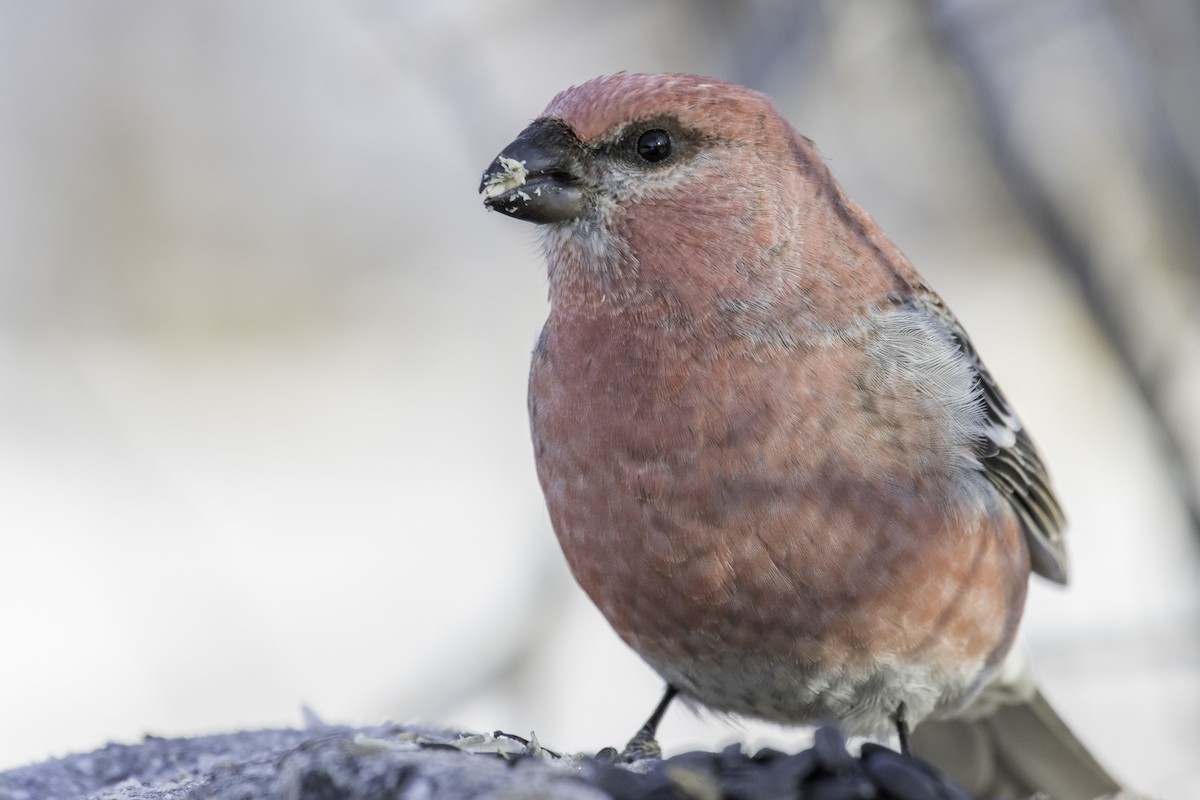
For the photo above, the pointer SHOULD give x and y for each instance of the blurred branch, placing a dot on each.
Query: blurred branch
(1164, 74)
(963, 36)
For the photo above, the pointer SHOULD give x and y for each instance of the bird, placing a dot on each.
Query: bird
(770, 453)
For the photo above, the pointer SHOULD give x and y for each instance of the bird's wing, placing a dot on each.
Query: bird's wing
(1008, 457)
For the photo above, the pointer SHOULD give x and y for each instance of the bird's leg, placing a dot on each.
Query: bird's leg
(643, 743)
(901, 720)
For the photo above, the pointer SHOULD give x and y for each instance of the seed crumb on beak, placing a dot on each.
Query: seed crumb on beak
(512, 175)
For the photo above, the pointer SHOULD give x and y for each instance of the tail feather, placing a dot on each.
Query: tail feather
(1015, 752)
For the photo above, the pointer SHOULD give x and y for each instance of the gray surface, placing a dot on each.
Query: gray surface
(392, 761)
(323, 762)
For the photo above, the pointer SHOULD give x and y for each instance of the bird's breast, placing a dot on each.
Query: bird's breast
(699, 461)
(714, 504)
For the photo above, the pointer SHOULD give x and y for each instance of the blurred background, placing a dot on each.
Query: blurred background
(263, 354)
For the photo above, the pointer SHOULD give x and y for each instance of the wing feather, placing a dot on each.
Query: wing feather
(1009, 459)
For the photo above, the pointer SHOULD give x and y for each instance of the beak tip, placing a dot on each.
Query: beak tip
(532, 179)
(503, 175)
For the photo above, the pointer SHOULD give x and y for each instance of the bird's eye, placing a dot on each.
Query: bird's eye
(654, 145)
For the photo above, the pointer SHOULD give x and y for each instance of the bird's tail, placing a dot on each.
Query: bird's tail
(1016, 751)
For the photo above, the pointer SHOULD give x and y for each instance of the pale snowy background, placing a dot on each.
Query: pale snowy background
(263, 353)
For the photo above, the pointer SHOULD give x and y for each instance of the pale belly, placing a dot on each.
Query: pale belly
(863, 697)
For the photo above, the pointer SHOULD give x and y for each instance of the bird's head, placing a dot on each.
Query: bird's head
(623, 139)
(626, 168)
(680, 186)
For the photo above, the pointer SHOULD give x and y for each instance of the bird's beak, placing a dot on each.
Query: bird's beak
(532, 179)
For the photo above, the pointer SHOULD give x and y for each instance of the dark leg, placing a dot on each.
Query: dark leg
(901, 720)
(643, 744)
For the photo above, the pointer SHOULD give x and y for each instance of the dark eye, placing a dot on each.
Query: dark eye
(654, 145)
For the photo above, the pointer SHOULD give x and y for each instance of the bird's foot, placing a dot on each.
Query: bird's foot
(643, 745)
